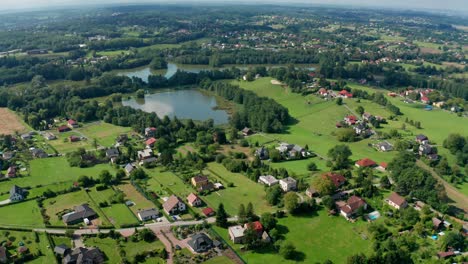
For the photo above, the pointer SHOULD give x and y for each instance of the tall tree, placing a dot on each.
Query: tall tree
(221, 216)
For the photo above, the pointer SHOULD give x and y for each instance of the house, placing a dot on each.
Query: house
(268, 180)
(425, 149)
(345, 94)
(8, 155)
(146, 155)
(382, 166)
(27, 136)
(129, 168)
(11, 172)
(284, 147)
(72, 123)
(74, 138)
(384, 146)
(17, 193)
(265, 237)
(63, 128)
(255, 226)
(79, 213)
(367, 116)
(112, 153)
(201, 183)
(150, 142)
(150, 132)
(350, 120)
(208, 211)
(247, 131)
(174, 205)
(200, 242)
(236, 233)
(39, 153)
(365, 163)
(337, 179)
(194, 200)
(311, 192)
(288, 184)
(437, 224)
(3, 255)
(425, 100)
(352, 206)
(323, 92)
(397, 201)
(49, 136)
(147, 214)
(122, 138)
(262, 153)
(82, 255)
(422, 139)
(61, 250)
(362, 129)
(445, 255)
(296, 149)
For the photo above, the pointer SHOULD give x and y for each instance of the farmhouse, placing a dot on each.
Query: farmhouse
(72, 123)
(17, 193)
(396, 201)
(79, 213)
(200, 242)
(148, 214)
(194, 200)
(352, 206)
(236, 233)
(337, 179)
(288, 184)
(382, 166)
(63, 128)
(345, 94)
(49, 136)
(311, 192)
(365, 163)
(247, 131)
(174, 205)
(268, 180)
(11, 172)
(84, 255)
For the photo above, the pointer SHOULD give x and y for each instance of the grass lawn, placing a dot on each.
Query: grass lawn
(68, 201)
(118, 214)
(133, 195)
(25, 214)
(105, 133)
(133, 248)
(59, 240)
(317, 238)
(28, 239)
(243, 192)
(160, 180)
(63, 145)
(107, 245)
(219, 260)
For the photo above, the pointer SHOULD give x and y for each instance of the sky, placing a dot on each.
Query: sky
(454, 5)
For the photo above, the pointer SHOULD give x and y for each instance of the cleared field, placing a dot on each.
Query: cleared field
(317, 238)
(118, 214)
(243, 192)
(133, 195)
(10, 123)
(25, 214)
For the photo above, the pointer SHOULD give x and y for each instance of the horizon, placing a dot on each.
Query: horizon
(453, 6)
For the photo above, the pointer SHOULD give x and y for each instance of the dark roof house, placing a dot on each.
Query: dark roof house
(84, 256)
(61, 250)
(80, 212)
(200, 243)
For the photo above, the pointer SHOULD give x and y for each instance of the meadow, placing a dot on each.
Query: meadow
(104, 133)
(24, 214)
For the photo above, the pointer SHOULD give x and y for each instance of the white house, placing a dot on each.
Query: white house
(268, 180)
(288, 184)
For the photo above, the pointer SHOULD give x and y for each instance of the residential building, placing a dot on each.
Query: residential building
(208, 211)
(150, 142)
(397, 201)
(247, 131)
(384, 146)
(268, 180)
(425, 149)
(256, 226)
(365, 163)
(202, 183)
(200, 242)
(236, 233)
(422, 139)
(262, 153)
(193, 200)
(150, 132)
(352, 206)
(311, 192)
(11, 172)
(147, 214)
(74, 138)
(345, 94)
(62, 250)
(39, 153)
(437, 224)
(82, 255)
(17, 194)
(337, 179)
(63, 128)
(174, 205)
(79, 214)
(350, 120)
(146, 155)
(49, 136)
(288, 184)
(129, 168)
(8, 155)
(72, 123)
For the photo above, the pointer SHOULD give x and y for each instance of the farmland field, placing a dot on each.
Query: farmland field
(24, 214)
(10, 122)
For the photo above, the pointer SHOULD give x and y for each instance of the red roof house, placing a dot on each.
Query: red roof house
(208, 211)
(63, 128)
(72, 123)
(74, 138)
(365, 163)
(256, 226)
(352, 205)
(150, 142)
(425, 99)
(336, 178)
(345, 94)
(350, 120)
(194, 200)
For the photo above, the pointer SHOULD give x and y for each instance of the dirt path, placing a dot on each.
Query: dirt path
(167, 244)
(453, 193)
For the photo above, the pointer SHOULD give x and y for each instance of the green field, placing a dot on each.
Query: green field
(160, 180)
(243, 192)
(63, 145)
(105, 133)
(29, 240)
(25, 214)
(219, 260)
(59, 240)
(318, 238)
(133, 195)
(107, 245)
(118, 214)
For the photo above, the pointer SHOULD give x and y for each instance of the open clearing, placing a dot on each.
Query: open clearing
(10, 123)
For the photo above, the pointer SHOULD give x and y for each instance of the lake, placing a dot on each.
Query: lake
(144, 72)
(184, 104)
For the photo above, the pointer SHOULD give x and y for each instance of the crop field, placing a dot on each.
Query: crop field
(10, 123)
(118, 214)
(243, 192)
(24, 214)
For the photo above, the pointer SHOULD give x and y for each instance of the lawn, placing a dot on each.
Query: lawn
(63, 145)
(160, 180)
(29, 240)
(219, 260)
(118, 214)
(68, 201)
(317, 238)
(105, 133)
(107, 245)
(133, 248)
(133, 195)
(25, 214)
(243, 192)
(59, 240)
